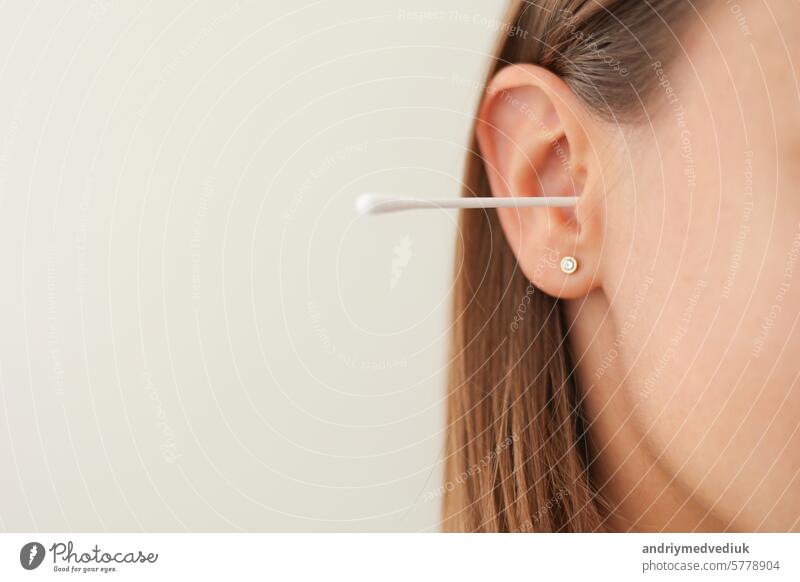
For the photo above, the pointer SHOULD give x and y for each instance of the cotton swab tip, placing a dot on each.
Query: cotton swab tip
(368, 202)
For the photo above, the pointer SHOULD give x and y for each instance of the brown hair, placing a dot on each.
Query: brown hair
(516, 449)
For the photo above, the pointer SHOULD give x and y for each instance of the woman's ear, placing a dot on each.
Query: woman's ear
(534, 136)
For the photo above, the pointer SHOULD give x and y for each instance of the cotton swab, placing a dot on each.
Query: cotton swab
(371, 203)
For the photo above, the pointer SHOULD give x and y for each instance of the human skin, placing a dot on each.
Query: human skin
(683, 314)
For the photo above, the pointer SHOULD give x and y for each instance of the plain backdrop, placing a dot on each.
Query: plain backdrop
(196, 330)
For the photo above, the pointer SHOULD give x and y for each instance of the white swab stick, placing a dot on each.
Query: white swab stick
(374, 203)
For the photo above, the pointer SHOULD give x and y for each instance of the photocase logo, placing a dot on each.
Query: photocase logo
(31, 555)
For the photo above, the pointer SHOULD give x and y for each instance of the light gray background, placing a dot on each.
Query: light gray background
(196, 331)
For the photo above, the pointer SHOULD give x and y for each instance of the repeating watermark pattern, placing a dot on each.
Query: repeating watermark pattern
(11, 133)
(523, 106)
(549, 260)
(741, 20)
(82, 236)
(591, 43)
(175, 63)
(168, 446)
(768, 322)
(318, 172)
(679, 113)
(457, 16)
(52, 323)
(330, 348)
(744, 226)
(483, 463)
(198, 227)
(630, 321)
(98, 9)
(653, 380)
(402, 253)
(473, 84)
(529, 525)
(522, 308)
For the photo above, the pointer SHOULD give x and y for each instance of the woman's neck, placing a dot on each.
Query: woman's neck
(637, 490)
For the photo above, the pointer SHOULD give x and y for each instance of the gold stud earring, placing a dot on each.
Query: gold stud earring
(569, 265)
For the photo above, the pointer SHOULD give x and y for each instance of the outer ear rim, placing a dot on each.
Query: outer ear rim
(567, 237)
(571, 110)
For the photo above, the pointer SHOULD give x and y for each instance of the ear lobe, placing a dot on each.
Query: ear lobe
(534, 143)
